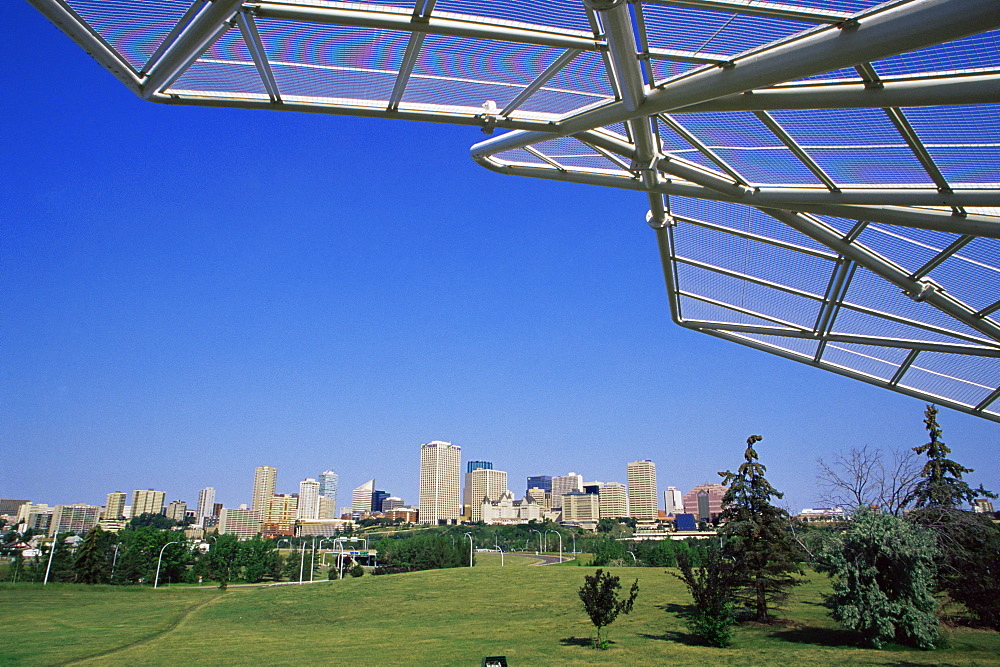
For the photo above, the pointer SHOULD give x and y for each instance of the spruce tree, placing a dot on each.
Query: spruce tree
(92, 564)
(757, 539)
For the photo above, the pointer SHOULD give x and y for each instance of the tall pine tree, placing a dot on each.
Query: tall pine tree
(757, 539)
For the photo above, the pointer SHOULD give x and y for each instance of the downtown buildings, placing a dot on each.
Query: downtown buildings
(440, 483)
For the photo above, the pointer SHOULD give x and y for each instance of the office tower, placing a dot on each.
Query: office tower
(206, 498)
(562, 484)
(673, 501)
(243, 523)
(705, 501)
(613, 499)
(328, 483)
(78, 518)
(114, 507)
(216, 510)
(480, 484)
(391, 503)
(176, 510)
(147, 501)
(361, 498)
(326, 509)
(440, 482)
(308, 498)
(581, 509)
(543, 482)
(11, 506)
(264, 480)
(642, 500)
(281, 509)
(377, 498)
(542, 497)
(475, 465)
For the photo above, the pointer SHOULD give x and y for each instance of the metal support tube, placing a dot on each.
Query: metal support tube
(248, 28)
(913, 141)
(797, 150)
(405, 69)
(903, 367)
(203, 31)
(772, 10)
(543, 78)
(935, 262)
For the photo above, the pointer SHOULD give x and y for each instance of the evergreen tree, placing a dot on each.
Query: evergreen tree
(224, 559)
(882, 569)
(757, 539)
(257, 556)
(711, 587)
(93, 561)
(969, 544)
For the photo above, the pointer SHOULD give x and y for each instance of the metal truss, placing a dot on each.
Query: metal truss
(824, 184)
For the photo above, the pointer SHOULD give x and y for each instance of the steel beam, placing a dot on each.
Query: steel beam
(897, 29)
(923, 92)
(769, 9)
(564, 59)
(940, 258)
(203, 31)
(405, 69)
(797, 150)
(388, 19)
(64, 18)
(248, 28)
(192, 11)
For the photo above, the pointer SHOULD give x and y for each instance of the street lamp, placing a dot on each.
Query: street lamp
(469, 535)
(497, 544)
(156, 581)
(52, 552)
(634, 561)
(114, 562)
(574, 545)
(560, 541)
(539, 539)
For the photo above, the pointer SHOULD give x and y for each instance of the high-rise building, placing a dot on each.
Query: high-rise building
(642, 498)
(543, 482)
(326, 508)
(11, 506)
(542, 497)
(176, 510)
(673, 501)
(613, 499)
(391, 503)
(78, 518)
(581, 509)
(308, 499)
(114, 507)
(206, 499)
(281, 513)
(265, 478)
(378, 497)
(562, 484)
(328, 483)
(476, 465)
(361, 498)
(440, 482)
(147, 501)
(483, 484)
(705, 501)
(244, 523)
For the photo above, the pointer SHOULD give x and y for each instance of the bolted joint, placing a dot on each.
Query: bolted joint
(921, 293)
(666, 221)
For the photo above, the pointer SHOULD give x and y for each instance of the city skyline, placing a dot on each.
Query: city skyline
(171, 330)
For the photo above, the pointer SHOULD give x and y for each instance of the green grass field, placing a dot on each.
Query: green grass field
(442, 617)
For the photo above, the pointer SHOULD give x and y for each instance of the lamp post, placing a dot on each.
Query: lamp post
(302, 563)
(560, 541)
(114, 562)
(312, 567)
(340, 557)
(497, 544)
(634, 561)
(539, 539)
(574, 545)
(52, 552)
(156, 581)
(469, 535)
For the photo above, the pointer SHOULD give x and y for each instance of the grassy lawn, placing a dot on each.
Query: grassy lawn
(442, 617)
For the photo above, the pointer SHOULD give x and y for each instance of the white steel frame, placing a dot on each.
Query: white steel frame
(624, 129)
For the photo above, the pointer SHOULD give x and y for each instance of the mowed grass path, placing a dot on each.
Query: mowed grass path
(532, 615)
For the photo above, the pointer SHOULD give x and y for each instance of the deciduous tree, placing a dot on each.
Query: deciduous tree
(599, 594)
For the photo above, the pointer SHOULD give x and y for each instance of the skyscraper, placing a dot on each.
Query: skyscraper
(78, 518)
(328, 483)
(176, 510)
(673, 501)
(264, 480)
(361, 498)
(642, 501)
(483, 483)
(114, 508)
(543, 482)
(206, 500)
(147, 501)
(378, 497)
(308, 499)
(474, 465)
(440, 482)
(562, 484)
(613, 500)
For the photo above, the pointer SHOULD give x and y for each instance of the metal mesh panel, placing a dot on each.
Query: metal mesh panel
(713, 31)
(800, 346)
(134, 29)
(963, 141)
(524, 12)
(944, 385)
(702, 311)
(226, 67)
(880, 362)
(977, 52)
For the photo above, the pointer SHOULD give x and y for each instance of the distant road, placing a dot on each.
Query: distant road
(549, 560)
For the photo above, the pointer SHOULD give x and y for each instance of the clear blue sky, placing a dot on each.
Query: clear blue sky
(189, 293)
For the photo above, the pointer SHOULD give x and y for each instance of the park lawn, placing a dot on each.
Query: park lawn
(532, 615)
